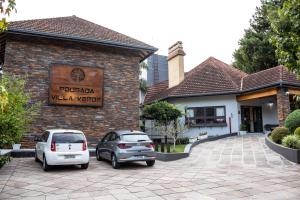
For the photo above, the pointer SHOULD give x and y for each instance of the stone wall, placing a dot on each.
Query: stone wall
(283, 106)
(33, 57)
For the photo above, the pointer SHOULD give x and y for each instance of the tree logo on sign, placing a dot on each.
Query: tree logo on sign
(77, 75)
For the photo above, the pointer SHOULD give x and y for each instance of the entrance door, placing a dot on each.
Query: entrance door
(251, 116)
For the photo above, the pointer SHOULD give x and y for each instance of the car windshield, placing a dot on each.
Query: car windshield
(135, 137)
(68, 137)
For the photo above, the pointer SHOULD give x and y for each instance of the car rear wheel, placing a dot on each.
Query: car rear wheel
(114, 162)
(45, 164)
(98, 156)
(150, 163)
(85, 166)
(35, 157)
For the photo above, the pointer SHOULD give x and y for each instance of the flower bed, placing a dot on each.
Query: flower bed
(290, 154)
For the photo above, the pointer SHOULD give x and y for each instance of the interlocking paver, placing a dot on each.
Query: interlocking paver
(231, 168)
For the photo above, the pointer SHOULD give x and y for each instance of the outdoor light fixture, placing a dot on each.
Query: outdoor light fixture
(286, 91)
(270, 104)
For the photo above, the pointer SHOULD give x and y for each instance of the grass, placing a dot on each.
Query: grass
(179, 148)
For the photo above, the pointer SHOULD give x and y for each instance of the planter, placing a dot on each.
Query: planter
(16, 146)
(292, 155)
(242, 132)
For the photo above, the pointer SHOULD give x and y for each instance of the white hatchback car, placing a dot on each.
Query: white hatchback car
(62, 147)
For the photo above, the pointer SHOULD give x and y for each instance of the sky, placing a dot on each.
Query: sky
(206, 27)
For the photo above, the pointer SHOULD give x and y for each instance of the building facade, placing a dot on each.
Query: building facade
(74, 97)
(219, 99)
(157, 69)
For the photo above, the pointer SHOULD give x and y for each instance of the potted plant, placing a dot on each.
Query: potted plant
(243, 129)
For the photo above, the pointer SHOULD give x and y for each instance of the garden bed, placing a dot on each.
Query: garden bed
(292, 155)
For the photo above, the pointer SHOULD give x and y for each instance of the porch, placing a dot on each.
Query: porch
(262, 110)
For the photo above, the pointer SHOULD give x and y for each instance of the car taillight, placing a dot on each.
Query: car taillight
(53, 146)
(151, 145)
(123, 146)
(83, 146)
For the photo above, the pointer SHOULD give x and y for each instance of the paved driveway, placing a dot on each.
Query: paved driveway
(232, 168)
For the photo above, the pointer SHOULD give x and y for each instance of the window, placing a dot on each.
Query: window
(206, 116)
(68, 137)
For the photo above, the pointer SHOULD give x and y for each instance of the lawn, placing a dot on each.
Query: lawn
(179, 148)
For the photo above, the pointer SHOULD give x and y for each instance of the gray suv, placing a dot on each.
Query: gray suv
(126, 146)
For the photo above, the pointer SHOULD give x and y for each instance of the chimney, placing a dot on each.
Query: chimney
(176, 64)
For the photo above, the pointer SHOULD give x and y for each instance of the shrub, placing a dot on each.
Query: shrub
(292, 121)
(16, 110)
(4, 160)
(291, 141)
(184, 140)
(297, 132)
(279, 133)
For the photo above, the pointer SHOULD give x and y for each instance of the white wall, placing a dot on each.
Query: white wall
(231, 107)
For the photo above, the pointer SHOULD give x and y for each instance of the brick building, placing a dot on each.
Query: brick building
(66, 59)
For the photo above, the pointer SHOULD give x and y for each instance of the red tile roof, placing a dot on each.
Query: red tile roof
(214, 77)
(210, 77)
(269, 77)
(76, 28)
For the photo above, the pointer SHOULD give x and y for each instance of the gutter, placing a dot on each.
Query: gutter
(78, 39)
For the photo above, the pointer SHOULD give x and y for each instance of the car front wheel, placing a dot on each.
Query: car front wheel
(98, 156)
(45, 164)
(150, 163)
(114, 162)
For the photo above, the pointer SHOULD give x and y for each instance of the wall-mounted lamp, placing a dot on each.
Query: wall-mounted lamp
(286, 91)
(270, 104)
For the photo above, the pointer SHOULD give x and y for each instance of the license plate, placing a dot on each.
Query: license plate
(69, 156)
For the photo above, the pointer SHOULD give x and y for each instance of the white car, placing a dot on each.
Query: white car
(62, 147)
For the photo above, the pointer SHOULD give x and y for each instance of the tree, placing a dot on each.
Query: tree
(166, 118)
(16, 111)
(162, 112)
(6, 7)
(285, 24)
(143, 82)
(256, 52)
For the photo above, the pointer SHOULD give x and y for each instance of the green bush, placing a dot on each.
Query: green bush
(184, 140)
(297, 132)
(292, 121)
(291, 141)
(279, 133)
(17, 112)
(4, 160)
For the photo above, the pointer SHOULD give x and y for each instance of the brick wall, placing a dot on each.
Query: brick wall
(33, 57)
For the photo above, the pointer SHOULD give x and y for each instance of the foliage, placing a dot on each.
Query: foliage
(291, 141)
(143, 85)
(285, 24)
(256, 52)
(297, 132)
(4, 160)
(6, 7)
(279, 133)
(184, 140)
(16, 113)
(143, 82)
(243, 127)
(162, 112)
(292, 121)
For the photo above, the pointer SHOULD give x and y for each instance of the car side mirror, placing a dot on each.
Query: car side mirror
(37, 139)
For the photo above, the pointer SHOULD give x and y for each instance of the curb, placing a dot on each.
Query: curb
(166, 157)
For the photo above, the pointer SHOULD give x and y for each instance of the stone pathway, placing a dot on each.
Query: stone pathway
(231, 168)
